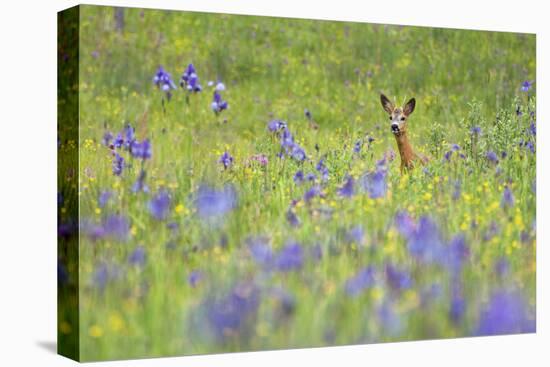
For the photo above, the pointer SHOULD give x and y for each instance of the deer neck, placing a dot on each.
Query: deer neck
(406, 151)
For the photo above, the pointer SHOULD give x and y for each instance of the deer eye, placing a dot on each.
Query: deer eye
(402, 118)
(390, 118)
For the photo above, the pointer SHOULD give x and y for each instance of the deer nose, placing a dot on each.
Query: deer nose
(395, 127)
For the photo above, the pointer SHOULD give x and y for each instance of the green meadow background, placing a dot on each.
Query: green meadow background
(275, 68)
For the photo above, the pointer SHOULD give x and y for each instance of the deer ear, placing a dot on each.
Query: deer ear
(409, 107)
(386, 104)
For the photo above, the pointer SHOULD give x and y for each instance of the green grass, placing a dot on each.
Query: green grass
(276, 68)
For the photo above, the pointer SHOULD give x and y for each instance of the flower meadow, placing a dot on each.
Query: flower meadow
(238, 185)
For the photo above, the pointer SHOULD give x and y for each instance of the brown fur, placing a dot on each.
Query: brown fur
(400, 115)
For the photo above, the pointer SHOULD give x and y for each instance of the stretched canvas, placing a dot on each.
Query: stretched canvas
(232, 183)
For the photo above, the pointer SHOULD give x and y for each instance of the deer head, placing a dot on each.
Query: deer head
(398, 115)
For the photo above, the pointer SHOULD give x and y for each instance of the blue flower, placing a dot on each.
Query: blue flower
(313, 191)
(107, 137)
(347, 190)
(163, 81)
(194, 278)
(506, 313)
(230, 316)
(491, 156)
(476, 130)
(457, 190)
(130, 134)
(398, 279)
(457, 253)
(507, 198)
(405, 224)
(213, 203)
(357, 146)
(297, 153)
(375, 183)
(138, 256)
(141, 150)
(276, 125)
(118, 164)
(362, 280)
(140, 185)
(218, 105)
(117, 227)
(159, 206)
(190, 80)
(526, 85)
(322, 169)
(292, 218)
(457, 308)
(119, 141)
(226, 160)
(355, 234)
(261, 251)
(291, 257)
(425, 242)
(104, 197)
(299, 177)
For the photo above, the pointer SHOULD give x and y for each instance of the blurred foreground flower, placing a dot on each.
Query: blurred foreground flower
(159, 206)
(211, 202)
(506, 313)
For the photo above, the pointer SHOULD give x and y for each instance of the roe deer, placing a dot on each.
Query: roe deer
(398, 119)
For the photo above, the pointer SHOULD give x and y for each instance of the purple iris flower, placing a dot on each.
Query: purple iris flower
(119, 141)
(194, 278)
(163, 81)
(361, 281)
(276, 125)
(347, 190)
(405, 224)
(117, 227)
(226, 160)
(190, 80)
(398, 279)
(107, 137)
(314, 191)
(218, 105)
(355, 234)
(425, 241)
(491, 156)
(138, 257)
(140, 184)
(506, 313)
(457, 253)
(526, 85)
(291, 257)
(507, 198)
(230, 315)
(118, 164)
(299, 177)
(298, 153)
(261, 251)
(159, 205)
(141, 150)
(104, 197)
(375, 183)
(292, 218)
(322, 169)
(211, 202)
(357, 146)
(130, 135)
